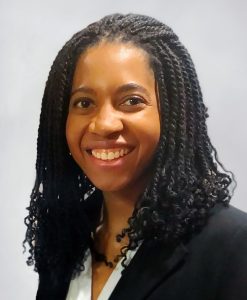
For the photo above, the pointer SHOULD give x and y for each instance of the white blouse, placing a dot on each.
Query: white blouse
(80, 287)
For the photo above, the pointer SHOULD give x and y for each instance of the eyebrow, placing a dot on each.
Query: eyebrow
(128, 87)
(84, 89)
(131, 87)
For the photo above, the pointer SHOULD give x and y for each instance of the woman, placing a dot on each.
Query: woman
(130, 200)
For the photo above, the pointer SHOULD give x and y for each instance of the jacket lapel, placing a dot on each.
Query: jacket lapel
(152, 263)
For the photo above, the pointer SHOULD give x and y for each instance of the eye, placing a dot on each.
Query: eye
(133, 101)
(83, 103)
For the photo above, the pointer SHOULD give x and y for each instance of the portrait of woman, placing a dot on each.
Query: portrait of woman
(130, 199)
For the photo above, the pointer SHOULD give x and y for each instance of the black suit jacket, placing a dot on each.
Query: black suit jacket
(212, 266)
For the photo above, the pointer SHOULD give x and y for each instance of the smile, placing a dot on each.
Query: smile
(109, 154)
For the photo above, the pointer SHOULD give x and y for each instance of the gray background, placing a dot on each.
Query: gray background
(31, 34)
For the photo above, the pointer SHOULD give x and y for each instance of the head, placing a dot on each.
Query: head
(184, 181)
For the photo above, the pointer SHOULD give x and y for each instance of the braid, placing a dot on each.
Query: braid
(65, 207)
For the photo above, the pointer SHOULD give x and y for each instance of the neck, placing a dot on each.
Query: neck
(118, 208)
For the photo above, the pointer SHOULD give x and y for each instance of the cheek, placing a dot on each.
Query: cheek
(152, 137)
(73, 133)
(151, 140)
(152, 129)
(148, 136)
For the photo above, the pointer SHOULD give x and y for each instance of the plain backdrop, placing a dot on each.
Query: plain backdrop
(31, 34)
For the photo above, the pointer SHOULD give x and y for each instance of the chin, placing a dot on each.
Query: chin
(110, 185)
(110, 188)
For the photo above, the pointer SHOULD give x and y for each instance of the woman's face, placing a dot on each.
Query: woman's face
(113, 125)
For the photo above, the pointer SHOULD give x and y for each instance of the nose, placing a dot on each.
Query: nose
(106, 122)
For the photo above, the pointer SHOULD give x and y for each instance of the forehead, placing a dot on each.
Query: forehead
(113, 61)
(115, 50)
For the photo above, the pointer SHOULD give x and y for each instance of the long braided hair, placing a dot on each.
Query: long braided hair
(188, 179)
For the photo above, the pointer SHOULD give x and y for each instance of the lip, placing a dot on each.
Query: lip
(105, 145)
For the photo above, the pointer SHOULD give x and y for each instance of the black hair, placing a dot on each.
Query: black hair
(188, 179)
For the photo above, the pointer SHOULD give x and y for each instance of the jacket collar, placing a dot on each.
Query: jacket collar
(152, 263)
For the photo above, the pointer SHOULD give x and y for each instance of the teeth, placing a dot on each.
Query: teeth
(104, 154)
(111, 155)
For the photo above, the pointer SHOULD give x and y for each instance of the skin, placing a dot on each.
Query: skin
(113, 106)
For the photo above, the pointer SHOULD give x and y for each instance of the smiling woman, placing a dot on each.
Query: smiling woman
(130, 200)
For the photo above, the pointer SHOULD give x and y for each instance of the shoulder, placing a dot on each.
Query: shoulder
(225, 232)
(229, 215)
(226, 222)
